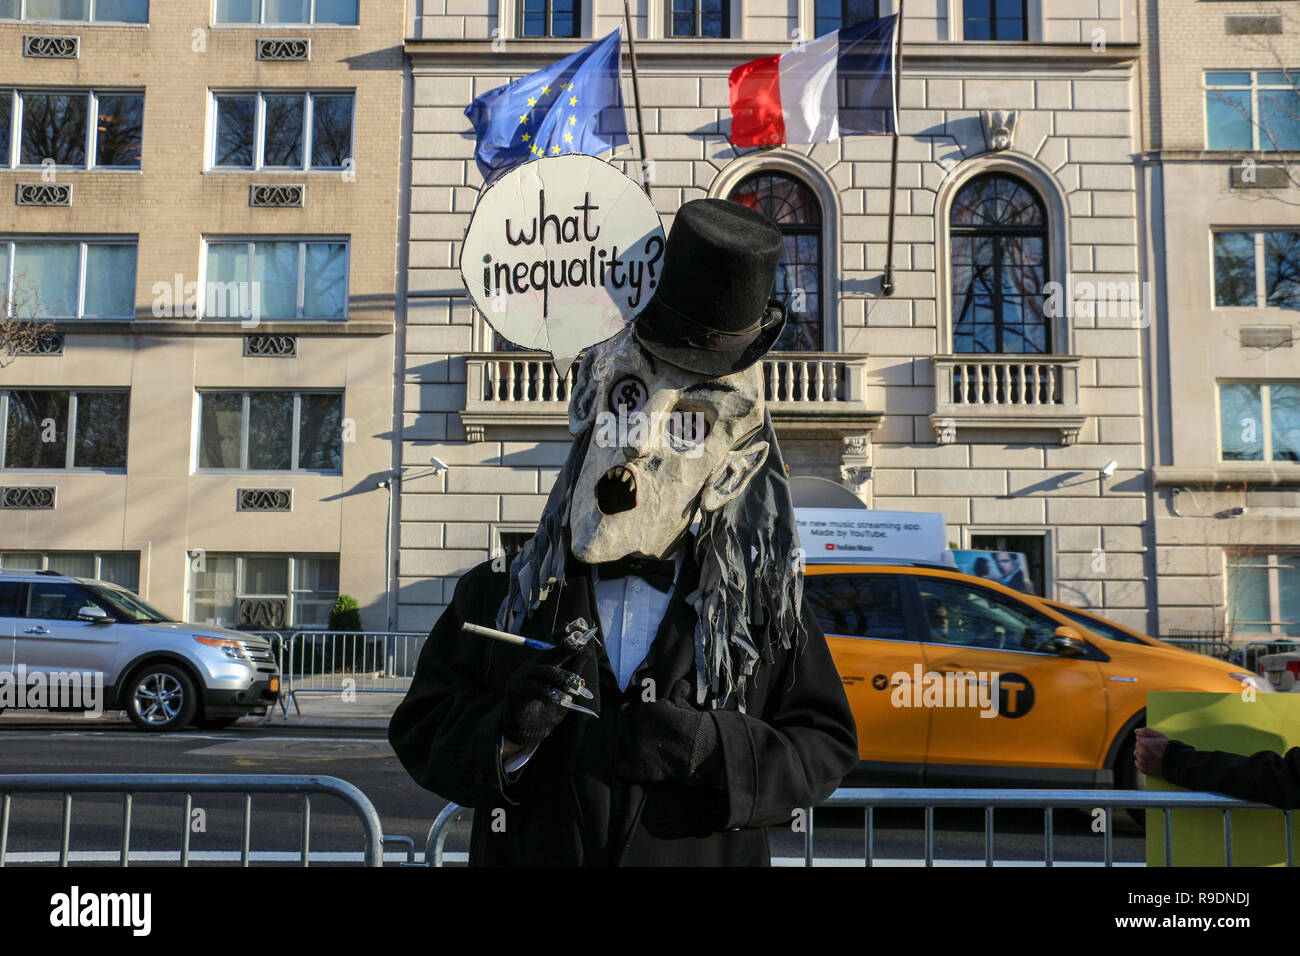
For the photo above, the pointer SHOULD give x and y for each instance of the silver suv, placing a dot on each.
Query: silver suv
(164, 673)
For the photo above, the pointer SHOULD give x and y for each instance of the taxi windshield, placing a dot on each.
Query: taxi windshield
(1098, 627)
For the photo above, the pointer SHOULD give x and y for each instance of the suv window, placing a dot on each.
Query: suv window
(959, 614)
(857, 605)
(60, 601)
(11, 595)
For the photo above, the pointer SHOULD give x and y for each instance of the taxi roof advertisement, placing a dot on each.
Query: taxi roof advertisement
(848, 535)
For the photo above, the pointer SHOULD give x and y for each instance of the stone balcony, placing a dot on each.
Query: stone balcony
(809, 394)
(1037, 392)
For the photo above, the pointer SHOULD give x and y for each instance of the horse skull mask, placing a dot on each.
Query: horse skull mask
(666, 443)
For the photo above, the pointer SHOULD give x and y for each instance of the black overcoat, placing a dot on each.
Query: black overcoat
(789, 750)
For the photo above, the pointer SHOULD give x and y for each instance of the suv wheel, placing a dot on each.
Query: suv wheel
(161, 697)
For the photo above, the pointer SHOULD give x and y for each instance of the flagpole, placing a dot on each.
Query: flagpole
(887, 280)
(636, 96)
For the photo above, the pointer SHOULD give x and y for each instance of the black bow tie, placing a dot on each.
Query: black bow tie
(658, 574)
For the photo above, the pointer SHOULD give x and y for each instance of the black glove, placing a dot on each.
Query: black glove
(670, 740)
(531, 711)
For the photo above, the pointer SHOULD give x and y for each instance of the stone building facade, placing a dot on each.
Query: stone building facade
(206, 209)
(1221, 187)
(1018, 164)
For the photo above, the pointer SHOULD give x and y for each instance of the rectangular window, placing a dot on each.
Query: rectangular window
(76, 11)
(53, 128)
(550, 18)
(297, 131)
(858, 605)
(1004, 564)
(995, 20)
(1264, 594)
(117, 567)
(304, 12)
(276, 279)
(57, 430)
(1259, 421)
(118, 136)
(6, 126)
(78, 129)
(510, 543)
(271, 431)
(1257, 269)
(248, 590)
(839, 14)
(699, 18)
(1252, 110)
(69, 278)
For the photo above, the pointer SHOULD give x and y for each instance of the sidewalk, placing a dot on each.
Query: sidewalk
(329, 709)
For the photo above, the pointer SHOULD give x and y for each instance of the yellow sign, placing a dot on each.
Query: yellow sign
(1230, 723)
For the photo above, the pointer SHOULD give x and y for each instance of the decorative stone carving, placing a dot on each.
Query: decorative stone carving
(52, 47)
(945, 431)
(265, 499)
(284, 49)
(266, 195)
(279, 346)
(43, 194)
(28, 498)
(49, 343)
(999, 129)
(856, 465)
(1069, 436)
(855, 476)
(263, 614)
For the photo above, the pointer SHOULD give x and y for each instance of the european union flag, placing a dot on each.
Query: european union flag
(573, 106)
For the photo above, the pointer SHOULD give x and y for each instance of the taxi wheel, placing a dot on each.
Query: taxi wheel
(1126, 778)
(1126, 773)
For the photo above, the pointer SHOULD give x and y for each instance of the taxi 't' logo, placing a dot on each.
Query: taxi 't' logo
(1015, 695)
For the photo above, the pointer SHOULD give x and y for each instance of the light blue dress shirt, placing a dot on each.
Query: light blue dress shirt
(630, 611)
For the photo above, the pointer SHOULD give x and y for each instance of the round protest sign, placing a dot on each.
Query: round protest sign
(561, 253)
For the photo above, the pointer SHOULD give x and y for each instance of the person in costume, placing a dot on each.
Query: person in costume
(669, 535)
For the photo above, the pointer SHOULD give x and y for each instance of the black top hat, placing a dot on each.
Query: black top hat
(713, 312)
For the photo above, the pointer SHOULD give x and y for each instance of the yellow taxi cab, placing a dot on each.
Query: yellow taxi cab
(956, 680)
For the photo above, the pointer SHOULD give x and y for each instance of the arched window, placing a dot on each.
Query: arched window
(797, 213)
(999, 268)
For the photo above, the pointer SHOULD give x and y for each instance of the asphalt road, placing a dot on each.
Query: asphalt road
(363, 757)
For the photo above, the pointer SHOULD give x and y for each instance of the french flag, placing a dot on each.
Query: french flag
(839, 84)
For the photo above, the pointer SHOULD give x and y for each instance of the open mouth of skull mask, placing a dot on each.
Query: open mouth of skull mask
(665, 444)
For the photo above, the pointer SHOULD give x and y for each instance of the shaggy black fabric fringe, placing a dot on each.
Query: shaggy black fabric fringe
(751, 582)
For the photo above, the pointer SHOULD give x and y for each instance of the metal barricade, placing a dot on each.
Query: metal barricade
(870, 800)
(439, 831)
(279, 647)
(1046, 800)
(189, 784)
(361, 662)
(1209, 646)
(376, 661)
